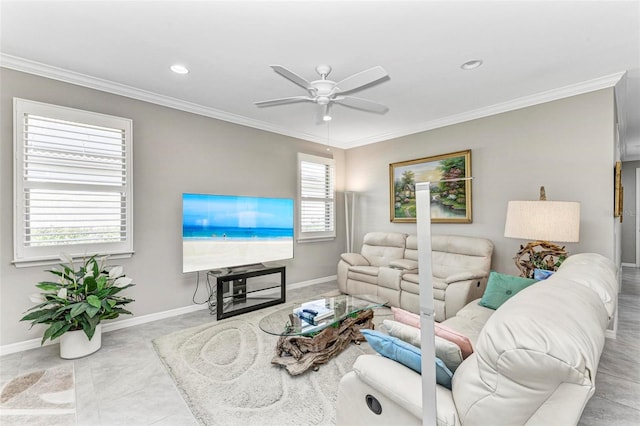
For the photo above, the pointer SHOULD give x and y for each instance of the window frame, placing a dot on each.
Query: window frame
(25, 255)
(326, 235)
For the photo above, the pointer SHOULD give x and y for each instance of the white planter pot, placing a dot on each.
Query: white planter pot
(75, 344)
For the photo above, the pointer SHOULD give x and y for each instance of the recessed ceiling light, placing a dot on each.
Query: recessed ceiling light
(179, 69)
(469, 65)
(326, 118)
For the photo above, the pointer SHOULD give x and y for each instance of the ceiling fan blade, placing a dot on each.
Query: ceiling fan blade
(283, 101)
(292, 76)
(361, 104)
(362, 80)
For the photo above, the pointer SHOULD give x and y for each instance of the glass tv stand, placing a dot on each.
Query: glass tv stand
(238, 292)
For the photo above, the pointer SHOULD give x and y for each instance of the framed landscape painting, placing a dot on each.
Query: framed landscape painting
(450, 201)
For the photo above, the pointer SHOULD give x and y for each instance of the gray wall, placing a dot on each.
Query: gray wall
(174, 152)
(565, 145)
(629, 213)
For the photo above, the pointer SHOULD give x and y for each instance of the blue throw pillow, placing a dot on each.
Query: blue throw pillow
(501, 287)
(406, 354)
(541, 274)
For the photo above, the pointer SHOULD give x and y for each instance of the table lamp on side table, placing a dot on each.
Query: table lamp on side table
(542, 221)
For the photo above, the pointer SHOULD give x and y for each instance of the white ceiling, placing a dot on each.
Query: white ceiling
(533, 51)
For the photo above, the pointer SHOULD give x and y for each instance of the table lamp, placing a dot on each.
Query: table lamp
(542, 221)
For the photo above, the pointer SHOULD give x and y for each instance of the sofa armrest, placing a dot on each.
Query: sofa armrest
(354, 259)
(397, 382)
(407, 265)
(466, 275)
(403, 386)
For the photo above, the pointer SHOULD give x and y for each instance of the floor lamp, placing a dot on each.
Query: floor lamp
(425, 273)
(349, 217)
(423, 222)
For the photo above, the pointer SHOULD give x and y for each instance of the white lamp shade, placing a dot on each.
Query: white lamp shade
(543, 220)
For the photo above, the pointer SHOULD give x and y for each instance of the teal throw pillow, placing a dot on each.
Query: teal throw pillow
(406, 354)
(501, 287)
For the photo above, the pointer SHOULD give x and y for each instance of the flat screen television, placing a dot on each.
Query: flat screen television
(225, 231)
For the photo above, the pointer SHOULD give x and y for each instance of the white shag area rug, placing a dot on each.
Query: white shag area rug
(224, 372)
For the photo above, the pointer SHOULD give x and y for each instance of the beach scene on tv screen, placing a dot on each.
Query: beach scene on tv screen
(225, 231)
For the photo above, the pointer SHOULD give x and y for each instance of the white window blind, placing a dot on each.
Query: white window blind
(72, 182)
(316, 197)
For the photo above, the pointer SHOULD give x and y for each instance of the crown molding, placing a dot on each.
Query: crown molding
(43, 70)
(60, 74)
(526, 101)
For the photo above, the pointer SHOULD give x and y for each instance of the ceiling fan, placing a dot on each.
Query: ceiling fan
(325, 92)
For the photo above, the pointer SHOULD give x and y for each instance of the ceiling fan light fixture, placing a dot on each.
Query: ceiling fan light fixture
(179, 69)
(471, 65)
(326, 116)
(326, 93)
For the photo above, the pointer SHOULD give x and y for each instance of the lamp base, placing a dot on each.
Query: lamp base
(539, 255)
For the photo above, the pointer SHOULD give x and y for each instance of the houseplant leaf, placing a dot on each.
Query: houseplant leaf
(48, 286)
(78, 308)
(94, 301)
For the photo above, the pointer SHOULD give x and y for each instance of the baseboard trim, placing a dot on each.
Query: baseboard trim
(143, 319)
(631, 265)
(312, 282)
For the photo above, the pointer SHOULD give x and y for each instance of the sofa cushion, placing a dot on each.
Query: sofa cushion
(439, 285)
(367, 274)
(469, 320)
(409, 286)
(447, 351)
(501, 287)
(452, 254)
(411, 248)
(473, 312)
(406, 354)
(412, 278)
(379, 248)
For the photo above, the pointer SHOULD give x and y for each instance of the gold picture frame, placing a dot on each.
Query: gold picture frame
(450, 201)
(617, 191)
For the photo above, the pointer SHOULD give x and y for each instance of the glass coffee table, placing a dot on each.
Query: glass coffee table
(303, 345)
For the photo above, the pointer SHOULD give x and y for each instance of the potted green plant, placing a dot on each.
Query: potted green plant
(75, 304)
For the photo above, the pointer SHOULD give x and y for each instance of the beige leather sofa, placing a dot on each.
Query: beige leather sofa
(387, 266)
(534, 363)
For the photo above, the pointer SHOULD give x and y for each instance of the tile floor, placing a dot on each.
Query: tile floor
(617, 398)
(125, 382)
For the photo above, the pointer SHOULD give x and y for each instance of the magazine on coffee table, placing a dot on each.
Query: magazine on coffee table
(314, 312)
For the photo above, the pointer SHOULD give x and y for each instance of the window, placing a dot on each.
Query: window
(72, 176)
(316, 197)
